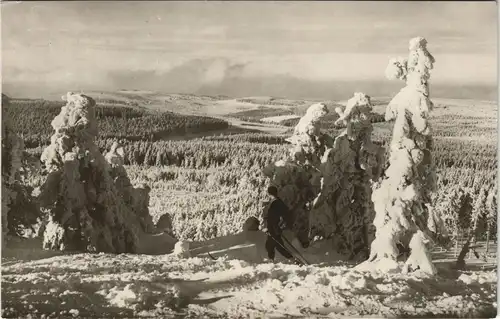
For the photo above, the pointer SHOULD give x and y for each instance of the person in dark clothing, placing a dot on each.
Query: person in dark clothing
(276, 212)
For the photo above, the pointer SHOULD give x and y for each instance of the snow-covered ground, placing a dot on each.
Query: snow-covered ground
(279, 119)
(238, 284)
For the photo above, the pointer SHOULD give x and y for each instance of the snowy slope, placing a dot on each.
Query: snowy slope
(279, 119)
(236, 285)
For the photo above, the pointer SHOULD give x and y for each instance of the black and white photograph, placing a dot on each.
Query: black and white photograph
(249, 159)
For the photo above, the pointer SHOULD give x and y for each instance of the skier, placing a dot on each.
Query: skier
(277, 210)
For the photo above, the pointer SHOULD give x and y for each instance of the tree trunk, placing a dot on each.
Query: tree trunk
(488, 239)
(457, 239)
(474, 237)
(461, 257)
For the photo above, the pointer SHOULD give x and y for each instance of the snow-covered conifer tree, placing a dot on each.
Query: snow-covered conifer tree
(402, 197)
(86, 209)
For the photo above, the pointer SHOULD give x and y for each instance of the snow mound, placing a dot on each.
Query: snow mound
(181, 249)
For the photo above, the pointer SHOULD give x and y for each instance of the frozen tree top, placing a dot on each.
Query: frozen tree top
(418, 43)
(78, 113)
(415, 69)
(308, 129)
(359, 103)
(309, 123)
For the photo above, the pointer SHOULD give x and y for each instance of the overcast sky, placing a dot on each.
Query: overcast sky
(83, 43)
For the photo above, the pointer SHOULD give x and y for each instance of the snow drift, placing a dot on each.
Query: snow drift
(105, 285)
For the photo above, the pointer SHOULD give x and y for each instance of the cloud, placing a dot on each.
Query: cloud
(183, 46)
(241, 73)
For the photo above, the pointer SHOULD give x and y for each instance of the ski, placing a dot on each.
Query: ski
(288, 250)
(210, 255)
(296, 250)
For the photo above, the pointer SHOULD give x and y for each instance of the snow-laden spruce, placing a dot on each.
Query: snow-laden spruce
(401, 199)
(19, 209)
(343, 209)
(88, 210)
(12, 147)
(326, 182)
(308, 140)
(297, 176)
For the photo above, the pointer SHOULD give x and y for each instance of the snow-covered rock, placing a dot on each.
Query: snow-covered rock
(251, 224)
(164, 224)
